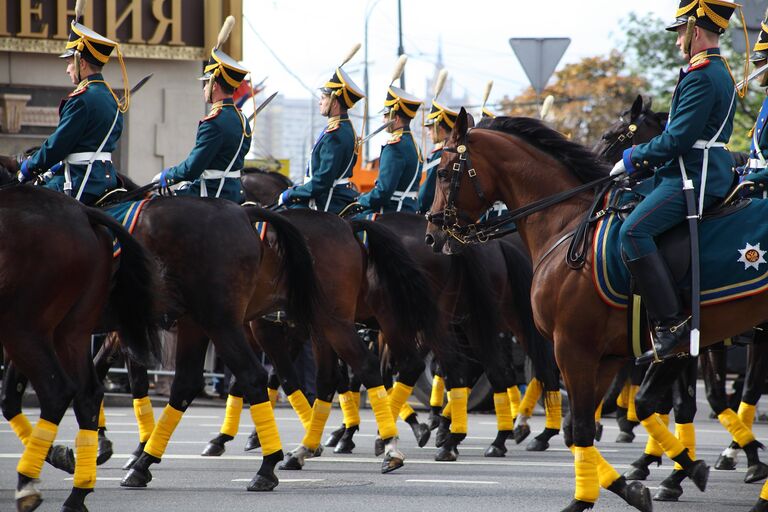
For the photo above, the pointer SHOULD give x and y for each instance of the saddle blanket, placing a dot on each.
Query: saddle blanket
(126, 214)
(733, 264)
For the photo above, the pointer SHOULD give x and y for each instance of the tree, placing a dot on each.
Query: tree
(589, 96)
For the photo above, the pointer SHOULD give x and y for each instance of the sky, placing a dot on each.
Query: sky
(311, 37)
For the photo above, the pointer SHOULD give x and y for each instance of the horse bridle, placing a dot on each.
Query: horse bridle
(629, 133)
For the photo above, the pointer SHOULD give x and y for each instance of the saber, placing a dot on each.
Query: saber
(693, 226)
(752, 76)
(262, 106)
(376, 131)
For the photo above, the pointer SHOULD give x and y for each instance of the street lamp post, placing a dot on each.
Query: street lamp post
(366, 115)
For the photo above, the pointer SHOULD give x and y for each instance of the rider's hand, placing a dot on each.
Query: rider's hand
(25, 173)
(285, 197)
(163, 183)
(619, 170)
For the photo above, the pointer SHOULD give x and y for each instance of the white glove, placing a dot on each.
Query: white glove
(156, 179)
(618, 170)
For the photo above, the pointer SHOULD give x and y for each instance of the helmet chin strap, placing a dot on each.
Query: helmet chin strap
(688, 41)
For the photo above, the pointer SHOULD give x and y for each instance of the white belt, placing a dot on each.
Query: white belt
(399, 194)
(213, 174)
(756, 163)
(86, 158)
(340, 181)
(702, 144)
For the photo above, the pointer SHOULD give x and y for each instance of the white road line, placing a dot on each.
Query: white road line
(102, 478)
(470, 482)
(285, 480)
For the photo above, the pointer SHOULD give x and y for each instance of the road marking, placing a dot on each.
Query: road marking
(101, 478)
(285, 480)
(481, 482)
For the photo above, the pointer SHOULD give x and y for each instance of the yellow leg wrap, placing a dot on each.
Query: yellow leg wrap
(459, 397)
(232, 413)
(585, 466)
(21, 427)
(554, 409)
(659, 431)
(37, 446)
(382, 412)
(651, 446)
(163, 431)
(747, 414)
(87, 447)
(738, 430)
(349, 409)
(405, 411)
(447, 409)
(514, 400)
(145, 417)
(398, 396)
(102, 416)
(764, 491)
(687, 435)
(437, 398)
(623, 399)
(504, 420)
(605, 472)
(320, 412)
(599, 411)
(532, 394)
(263, 417)
(631, 411)
(300, 404)
(272, 396)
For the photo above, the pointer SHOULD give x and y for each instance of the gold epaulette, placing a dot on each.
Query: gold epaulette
(395, 137)
(333, 124)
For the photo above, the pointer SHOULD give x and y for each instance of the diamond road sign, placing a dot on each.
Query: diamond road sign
(754, 11)
(539, 57)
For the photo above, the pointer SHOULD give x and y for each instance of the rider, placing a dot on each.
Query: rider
(223, 136)
(326, 184)
(700, 123)
(396, 189)
(440, 122)
(756, 166)
(79, 152)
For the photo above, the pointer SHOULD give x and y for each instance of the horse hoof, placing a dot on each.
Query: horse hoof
(495, 451)
(625, 437)
(521, 432)
(105, 449)
(637, 473)
(213, 450)
(347, 445)
(434, 421)
(290, 464)
(252, 443)
(760, 506)
(446, 454)
(598, 431)
(391, 463)
(318, 452)
(422, 433)
(638, 495)
(668, 493)
(578, 506)
(537, 445)
(441, 436)
(725, 463)
(134, 456)
(61, 457)
(334, 438)
(136, 478)
(378, 446)
(756, 472)
(261, 483)
(28, 503)
(698, 472)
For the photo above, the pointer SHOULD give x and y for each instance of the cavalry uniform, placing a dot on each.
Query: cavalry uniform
(755, 170)
(223, 140)
(327, 184)
(79, 152)
(396, 189)
(692, 145)
(439, 117)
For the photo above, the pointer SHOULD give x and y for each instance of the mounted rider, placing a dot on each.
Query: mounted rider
(755, 170)
(213, 167)
(77, 157)
(693, 144)
(396, 189)
(327, 184)
(440, 122)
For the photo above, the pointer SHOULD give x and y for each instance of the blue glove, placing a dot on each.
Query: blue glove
(164, 183)
(25, 174)
(285, 197)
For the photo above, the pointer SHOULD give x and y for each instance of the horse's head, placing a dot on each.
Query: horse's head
(9, 166)
(636, 125)
(465, 188)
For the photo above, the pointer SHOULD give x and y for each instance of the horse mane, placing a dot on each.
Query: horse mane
(280, 177)
(582, 162)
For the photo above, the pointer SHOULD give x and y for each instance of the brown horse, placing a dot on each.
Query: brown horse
(520, 161)
(263, 187)
(57, 282)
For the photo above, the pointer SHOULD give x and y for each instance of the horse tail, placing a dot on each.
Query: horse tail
(297, 265)
(133, 296)
(404, 283)
(540, 349)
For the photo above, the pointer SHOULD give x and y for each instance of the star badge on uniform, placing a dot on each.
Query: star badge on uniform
(751, 256)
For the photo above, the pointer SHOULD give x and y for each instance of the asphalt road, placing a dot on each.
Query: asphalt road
(523, 481)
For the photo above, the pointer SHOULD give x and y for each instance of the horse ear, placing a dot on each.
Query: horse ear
(647, 103)
(637, 107)
(462, 125)
(470, 120)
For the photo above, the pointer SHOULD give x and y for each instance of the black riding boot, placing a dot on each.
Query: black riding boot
(658, 289)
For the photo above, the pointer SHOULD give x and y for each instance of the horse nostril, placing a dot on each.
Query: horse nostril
(429, 240)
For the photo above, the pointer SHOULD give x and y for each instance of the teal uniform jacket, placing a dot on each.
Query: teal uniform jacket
(427, 189)
(396, 189)
(85, 117)
(218, 141)
(326, 186)
(702, 104)
(758, 152)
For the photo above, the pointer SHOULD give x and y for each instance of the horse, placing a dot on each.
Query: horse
(52, 305)
(263, 187)
(521, 161)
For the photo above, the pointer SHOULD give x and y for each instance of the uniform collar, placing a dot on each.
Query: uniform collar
(705, 54)
(438, 146)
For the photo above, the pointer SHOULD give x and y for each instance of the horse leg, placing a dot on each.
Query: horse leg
(231, 423)
(554, 416)
(104, 360)
(187, 383)
(437, 395)
(142, 408)
(653, 451)
(351, 414)
(532, 393)
(500, 382)
(453, 422)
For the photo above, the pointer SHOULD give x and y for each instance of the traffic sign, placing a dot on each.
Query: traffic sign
(539, 57)
(754, 12)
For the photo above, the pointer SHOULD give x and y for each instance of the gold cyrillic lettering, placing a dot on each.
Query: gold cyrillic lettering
(163, 22)
(64, 13)
(114, 21)
(27, 11)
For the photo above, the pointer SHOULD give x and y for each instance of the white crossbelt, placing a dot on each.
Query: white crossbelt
(214, 174)
(399, 194)
(87, 157)
(756, 163)
(702, 144)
